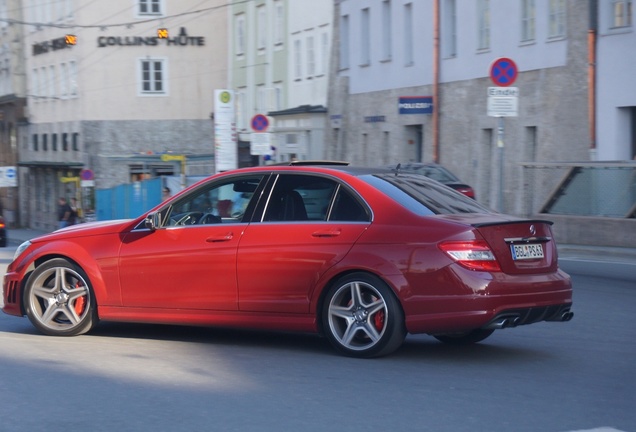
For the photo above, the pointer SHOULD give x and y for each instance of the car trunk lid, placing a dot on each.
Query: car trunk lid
(521, 246)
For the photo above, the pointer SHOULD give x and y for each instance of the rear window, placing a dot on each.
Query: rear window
(422, 195)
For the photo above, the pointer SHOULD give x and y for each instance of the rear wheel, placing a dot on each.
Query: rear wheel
(467, 338)
(59, 300)
(362, 317)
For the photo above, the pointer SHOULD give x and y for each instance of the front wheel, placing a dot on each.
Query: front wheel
(467, 338)
(58, 299)
(362, 317)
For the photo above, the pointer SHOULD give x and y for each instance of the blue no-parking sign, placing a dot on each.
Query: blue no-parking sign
(259, 123)
(503, 72)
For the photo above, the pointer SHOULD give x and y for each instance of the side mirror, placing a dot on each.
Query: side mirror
(153, 221)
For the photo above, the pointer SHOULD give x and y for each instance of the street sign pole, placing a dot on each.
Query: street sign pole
(502, 102)
(500, 151)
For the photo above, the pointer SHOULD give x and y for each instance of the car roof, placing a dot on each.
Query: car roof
(318, 166)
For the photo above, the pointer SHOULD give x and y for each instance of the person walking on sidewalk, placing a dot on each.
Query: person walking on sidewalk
(73, 218)
(63, 213)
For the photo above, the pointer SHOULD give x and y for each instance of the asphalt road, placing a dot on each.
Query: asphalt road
(548, 377)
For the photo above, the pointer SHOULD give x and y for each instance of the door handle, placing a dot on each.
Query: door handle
(222, 238)
(330, 233)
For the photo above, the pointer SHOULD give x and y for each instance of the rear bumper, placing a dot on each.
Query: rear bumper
(488, 300)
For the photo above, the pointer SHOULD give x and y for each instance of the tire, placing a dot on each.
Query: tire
(362, 317)
(59, 300)
(467, 338)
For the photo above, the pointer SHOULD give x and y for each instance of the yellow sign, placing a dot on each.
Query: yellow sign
(70, 39)
(162, 33)
(225, 97)
(69, 179)
(171, 157)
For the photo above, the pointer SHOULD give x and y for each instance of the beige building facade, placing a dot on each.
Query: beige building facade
(115, 90)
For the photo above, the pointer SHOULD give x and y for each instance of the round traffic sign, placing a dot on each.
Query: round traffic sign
(503, 72)
(260, 123)
(87, 174)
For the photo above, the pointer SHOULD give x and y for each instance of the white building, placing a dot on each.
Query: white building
(279, 69)
(112, 86)
(615, 82)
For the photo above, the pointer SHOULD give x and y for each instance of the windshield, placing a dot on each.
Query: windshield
(422, 195)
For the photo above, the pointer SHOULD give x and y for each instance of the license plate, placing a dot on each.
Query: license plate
(526, 251)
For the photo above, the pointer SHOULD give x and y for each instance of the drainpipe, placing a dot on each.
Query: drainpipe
(436, 101)
(591, 75)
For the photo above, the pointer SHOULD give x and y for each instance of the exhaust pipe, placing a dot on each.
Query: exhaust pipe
(504, 322)
(567, 316)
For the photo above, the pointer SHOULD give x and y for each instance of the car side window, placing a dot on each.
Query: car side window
(214, 203)
(312, 198)
(347, 208)
(300, 198)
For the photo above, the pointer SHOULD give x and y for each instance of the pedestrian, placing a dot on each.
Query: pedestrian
(63, 212)
(72, 219)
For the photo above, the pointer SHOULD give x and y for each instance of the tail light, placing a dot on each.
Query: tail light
(467, 190)
(474, 255)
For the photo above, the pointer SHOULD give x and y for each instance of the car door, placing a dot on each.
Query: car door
(189, 261)
(303, 231)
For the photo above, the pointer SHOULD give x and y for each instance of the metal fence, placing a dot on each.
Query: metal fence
(128, 200)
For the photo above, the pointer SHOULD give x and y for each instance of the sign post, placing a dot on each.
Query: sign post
(502, 102)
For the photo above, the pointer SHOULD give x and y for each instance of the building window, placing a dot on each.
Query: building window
(150, 7)
(278, 96)
(45, 142)
(298, 59)
(35, 91)
(63, 81)
(261, 105)
(557, 18)
(449, 28)
(75, 141)
(261, 27)
(408, 34)
(65, 141)
(324, 53)
(54, 142)
(527, 21)
(344, 42)
(386, 30)
(311, 57)
(241, 108)
(35, 142)
(153, 73)
(622, 13)
(72, 78)
(365, 37)
(483, 24)
(52, 82)
(240, 35)
(44, 83)
(279, 25)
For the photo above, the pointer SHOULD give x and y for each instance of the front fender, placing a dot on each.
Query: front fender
(95, 257)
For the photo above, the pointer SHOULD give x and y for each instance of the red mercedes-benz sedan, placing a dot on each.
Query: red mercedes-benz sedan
(363, 256)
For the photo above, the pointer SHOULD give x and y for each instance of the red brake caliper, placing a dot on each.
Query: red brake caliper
(80, 303)
(378, 320)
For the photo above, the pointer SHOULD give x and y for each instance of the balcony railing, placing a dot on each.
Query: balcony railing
(599, 189)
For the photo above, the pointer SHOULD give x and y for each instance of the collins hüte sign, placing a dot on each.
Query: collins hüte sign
(415, 105)
(181, 40)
